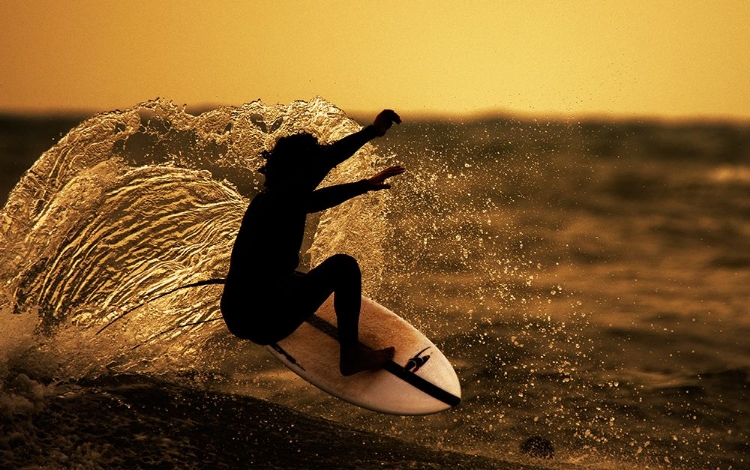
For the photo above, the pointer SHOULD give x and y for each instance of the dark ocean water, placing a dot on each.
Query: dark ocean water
(587, 279)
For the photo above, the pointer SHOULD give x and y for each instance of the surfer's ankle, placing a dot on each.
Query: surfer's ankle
(356, 359)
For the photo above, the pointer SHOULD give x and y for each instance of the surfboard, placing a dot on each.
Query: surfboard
(418, 381)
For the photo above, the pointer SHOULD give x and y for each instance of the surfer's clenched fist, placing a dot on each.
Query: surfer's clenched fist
(385, 120)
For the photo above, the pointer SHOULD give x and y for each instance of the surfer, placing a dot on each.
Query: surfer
(265, 298)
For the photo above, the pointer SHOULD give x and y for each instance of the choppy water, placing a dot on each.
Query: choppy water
(588, 279)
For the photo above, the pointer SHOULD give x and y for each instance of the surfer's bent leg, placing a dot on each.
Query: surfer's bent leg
(341, 275)
(256, 316)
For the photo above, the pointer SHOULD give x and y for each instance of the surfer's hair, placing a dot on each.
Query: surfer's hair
(289, 153)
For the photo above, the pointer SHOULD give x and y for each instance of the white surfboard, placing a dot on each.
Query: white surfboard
(419, 380)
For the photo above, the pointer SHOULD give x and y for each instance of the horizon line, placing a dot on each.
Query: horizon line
(416, 115)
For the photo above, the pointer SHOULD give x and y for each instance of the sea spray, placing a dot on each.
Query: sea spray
(467, 265)
(588, 288)
(133, 203)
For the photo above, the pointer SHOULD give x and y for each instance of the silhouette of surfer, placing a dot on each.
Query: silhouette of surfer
(265, 298)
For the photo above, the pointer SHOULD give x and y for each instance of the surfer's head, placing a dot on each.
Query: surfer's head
(288, 157)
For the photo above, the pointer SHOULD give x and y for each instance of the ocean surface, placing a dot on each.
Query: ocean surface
(588, 280)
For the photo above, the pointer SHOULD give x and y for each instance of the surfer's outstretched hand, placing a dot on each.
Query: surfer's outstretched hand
(385, 120)
(377, 182)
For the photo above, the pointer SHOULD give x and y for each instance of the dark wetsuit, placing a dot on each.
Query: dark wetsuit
(264, 298)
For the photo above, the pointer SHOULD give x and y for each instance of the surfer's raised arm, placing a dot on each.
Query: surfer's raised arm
(331, 196)
(347, 146)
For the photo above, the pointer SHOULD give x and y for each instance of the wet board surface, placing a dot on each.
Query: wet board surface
(420, 379)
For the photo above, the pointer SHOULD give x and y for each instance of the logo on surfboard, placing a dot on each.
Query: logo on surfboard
(416, 362)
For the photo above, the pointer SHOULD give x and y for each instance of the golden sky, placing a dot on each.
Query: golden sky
(636, 57)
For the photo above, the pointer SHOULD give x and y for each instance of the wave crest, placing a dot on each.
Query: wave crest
(132, 203)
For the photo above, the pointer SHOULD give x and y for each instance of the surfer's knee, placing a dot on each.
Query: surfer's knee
(345, 263)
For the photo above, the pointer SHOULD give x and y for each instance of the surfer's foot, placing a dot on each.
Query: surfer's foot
(357, 359)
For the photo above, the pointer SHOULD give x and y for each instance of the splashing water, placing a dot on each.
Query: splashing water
(134, 203)
(469, 245)
(130, 204)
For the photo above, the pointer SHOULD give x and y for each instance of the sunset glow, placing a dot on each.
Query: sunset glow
(664, 58)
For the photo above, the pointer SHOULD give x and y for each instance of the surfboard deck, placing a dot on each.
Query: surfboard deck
(420, 380)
